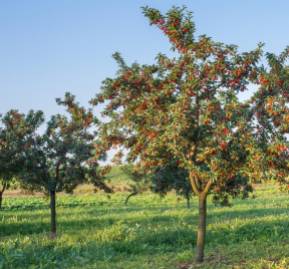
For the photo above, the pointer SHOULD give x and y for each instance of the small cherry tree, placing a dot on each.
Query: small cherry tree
(160, 180)
(17, 132)
(64, 156)
(172, 178)
(186, 107)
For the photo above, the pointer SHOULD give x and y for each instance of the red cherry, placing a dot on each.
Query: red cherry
(223, 145)
(226, 131)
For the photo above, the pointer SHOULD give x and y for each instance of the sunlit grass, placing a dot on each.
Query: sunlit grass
(96, 231)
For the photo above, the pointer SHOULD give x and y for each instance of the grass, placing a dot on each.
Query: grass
(96, 231)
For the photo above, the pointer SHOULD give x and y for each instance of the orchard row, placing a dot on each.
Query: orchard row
(179, 122)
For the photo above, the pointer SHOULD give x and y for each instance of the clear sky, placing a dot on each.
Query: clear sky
(49, 47)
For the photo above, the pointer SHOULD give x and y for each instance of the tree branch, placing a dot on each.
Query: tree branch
(4, 186)
(207, 187)
(194, 184)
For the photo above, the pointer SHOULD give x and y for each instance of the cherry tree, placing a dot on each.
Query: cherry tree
(64, 156)
(185, 109)
(17, 132)
(160, 180)
(271, 103)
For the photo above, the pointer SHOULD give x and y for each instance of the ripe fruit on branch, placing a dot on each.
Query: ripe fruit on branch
(263, 80)
(152, 134)
(185, 30)
(281, 148)
(226, 131)
(223, 145)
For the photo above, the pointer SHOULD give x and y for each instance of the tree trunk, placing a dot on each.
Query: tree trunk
(129, 196)
(1, 199)
(201, 235)
(53, 214)
(188, 201)
(1, 194)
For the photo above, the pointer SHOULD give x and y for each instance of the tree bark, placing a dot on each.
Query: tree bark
(188, 201)
(1, 199)
(53, 214)
(201, 234)
(1, 194)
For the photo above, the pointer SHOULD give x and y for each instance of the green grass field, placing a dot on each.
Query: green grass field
(96, 231)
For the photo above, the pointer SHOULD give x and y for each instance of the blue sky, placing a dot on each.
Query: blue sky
(49, 47)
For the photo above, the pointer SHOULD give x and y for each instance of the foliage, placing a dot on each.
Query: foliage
(62, 157)
(272, 114)
(162, 180)
(171, 177)
(186, 109)
(17, 132)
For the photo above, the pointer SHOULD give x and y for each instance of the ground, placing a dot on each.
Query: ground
(97, 231)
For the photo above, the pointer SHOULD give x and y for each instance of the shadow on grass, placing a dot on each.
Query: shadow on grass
(260, 228)
(147, 243)
(93, 208)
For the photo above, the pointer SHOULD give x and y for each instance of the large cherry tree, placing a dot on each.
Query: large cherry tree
(185, 111)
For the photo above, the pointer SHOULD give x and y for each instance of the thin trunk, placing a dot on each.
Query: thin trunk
(53, 214)
(188, 201)
(1, 194)
(201, 235)
(53, 203)
(129, 196)
(1, 199)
